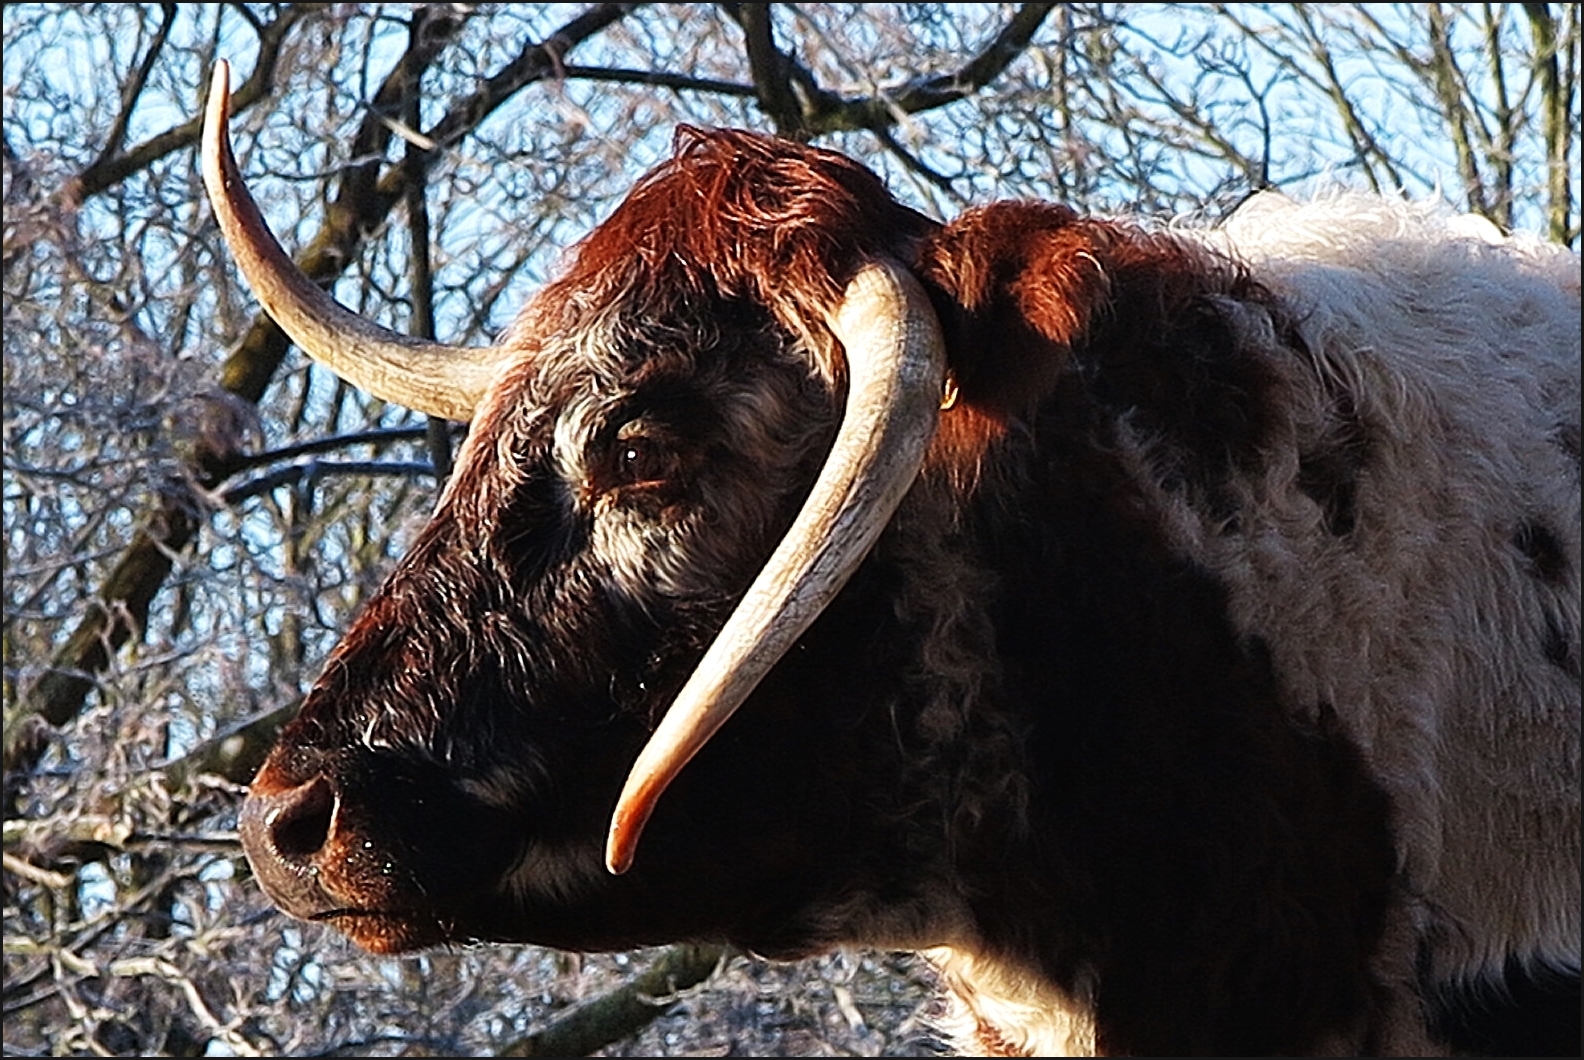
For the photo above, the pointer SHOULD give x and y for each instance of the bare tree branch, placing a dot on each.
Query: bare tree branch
(658, 79)
(772, 71)
(134, 88)
(114, 166)
(623, 1012)
(978, 72)
(1558, 132)
(800, 109)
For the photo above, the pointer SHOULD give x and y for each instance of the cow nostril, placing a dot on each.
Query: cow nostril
(301, 827)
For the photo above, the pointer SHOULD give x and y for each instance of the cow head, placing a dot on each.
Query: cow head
(679, 455)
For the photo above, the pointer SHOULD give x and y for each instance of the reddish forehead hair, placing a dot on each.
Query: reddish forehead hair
(735, 214)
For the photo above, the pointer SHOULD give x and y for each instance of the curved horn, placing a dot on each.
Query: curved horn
(440, 380)
(896, 362)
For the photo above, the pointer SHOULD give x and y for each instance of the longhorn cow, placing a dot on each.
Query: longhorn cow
(1173, 631)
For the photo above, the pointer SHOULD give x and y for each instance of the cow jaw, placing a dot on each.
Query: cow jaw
(896, 363)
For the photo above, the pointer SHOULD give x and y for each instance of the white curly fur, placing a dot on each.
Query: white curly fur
(1423, 632)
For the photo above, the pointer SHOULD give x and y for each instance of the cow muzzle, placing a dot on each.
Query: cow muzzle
(286, 835)
(392, 854)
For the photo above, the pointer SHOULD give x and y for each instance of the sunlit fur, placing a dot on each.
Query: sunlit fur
(997, 1009)
(1214, 690)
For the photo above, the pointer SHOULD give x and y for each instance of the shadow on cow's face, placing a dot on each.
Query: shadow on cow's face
(452, 773)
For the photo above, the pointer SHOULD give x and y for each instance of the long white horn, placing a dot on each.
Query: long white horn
(446, 381)
(896, 362)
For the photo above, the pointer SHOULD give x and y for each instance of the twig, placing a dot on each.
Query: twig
(626, 1010)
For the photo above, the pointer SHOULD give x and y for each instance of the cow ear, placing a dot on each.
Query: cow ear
(1016, 285)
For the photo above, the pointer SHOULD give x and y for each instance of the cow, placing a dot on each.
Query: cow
(1171, 630)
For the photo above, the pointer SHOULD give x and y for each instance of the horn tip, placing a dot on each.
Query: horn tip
(220, 83)
(620, 847)
(217, 108)
(632, 812)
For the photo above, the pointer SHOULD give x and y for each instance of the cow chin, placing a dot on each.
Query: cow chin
(389, 933)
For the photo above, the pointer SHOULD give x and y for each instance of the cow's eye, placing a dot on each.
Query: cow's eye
(643, 456)
(642, 460)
